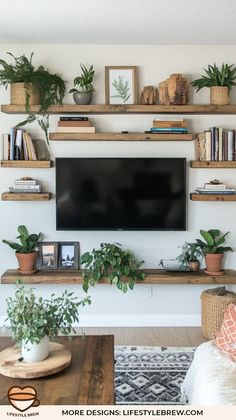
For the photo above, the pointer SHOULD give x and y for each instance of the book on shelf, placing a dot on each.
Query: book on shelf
(167, 118)
(170, 124)
(168, 130)
(25, 181)
(73, 118)
(26, 187)
(223, 192)
(24, 190)
(74, 123)
(6, 146)
(76, 130)
(18, 145)
(216, 144)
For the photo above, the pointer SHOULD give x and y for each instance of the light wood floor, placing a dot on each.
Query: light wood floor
(152, 336)
(147, 336)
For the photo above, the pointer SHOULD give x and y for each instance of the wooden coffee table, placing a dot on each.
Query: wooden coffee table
(88, 380)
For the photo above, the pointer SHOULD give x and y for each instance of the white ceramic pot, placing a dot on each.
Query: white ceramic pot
(35, 352)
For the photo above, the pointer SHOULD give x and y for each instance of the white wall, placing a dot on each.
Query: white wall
(146, 305)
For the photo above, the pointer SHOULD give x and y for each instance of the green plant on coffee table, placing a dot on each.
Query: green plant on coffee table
(213, 241)
(28, 242)
(217, 76)
(110, 261)
(190, 252)
(85, 80)
(32, 317)
(51, 87)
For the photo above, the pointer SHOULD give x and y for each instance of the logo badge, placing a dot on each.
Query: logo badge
(23, 398)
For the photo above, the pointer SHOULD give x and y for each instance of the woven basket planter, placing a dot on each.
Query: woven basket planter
(214, 303)
(18, 94)
(219, 95)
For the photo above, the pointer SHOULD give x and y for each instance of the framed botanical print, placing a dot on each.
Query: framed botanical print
(121, 85)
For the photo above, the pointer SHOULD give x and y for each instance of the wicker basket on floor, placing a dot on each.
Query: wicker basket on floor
(214, 302)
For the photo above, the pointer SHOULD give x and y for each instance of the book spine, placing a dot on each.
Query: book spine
(6, 146)
(169, 129)
(216, 144)
(220, 144)
(226, 145)
(74, 124)
(170, 124)
(76, 130)
(212, 143)
(73, 118)
(230, 144)
(12, 143)
(208, 145)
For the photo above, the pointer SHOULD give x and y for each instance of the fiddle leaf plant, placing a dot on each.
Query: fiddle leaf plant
(213, 241)
(110, 261)
(28, 242)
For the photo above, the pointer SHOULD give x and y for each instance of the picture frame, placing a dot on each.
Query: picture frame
(121, 86)
(48, 255)
(68, 256)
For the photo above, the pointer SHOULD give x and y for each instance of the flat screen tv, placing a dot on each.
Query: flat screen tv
(121, 193)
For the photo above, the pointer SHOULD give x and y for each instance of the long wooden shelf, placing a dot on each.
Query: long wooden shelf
(212, 164)
(26, 163)
(126, 109)
(7, 196)
(153, 277)
(119, 137)
(212, 197)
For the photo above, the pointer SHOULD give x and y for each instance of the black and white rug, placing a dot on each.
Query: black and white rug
(150, 375)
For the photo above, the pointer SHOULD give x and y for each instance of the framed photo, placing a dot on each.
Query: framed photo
(121, 85)
(47, 255)
(68, 256)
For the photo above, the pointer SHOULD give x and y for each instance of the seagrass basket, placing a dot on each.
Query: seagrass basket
(219, 95)
(214, 303)
(18, 94)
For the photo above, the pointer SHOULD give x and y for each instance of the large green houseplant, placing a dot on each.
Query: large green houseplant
(25, 250)
(213, 250)
(37, 85)
(34, 320)
(83, 95)
(111, 261)
(220, 80)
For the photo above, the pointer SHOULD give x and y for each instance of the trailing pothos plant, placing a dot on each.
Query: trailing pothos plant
(110, 261)
(32, 317)
(51, 87)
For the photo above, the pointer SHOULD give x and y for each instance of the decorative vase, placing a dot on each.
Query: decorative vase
(18, 94)
(26, 262)
(194, 265)
(219, 95)
(82, 98)
(33, 352)
(213, 264)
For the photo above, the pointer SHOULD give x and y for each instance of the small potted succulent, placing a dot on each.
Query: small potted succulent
(219, 80)
(110, 261)
(190, 256)
(34, 320)
(25, 250)
(83, 96)
(213, 250)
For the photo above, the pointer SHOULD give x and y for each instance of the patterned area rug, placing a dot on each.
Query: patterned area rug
(150, 375)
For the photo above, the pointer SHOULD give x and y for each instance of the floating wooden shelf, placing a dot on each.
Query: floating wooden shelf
(212, 197)
(26, 163)
(7, 196)
(212, 164)
(119, 137)
(153, 277)
(126, 109)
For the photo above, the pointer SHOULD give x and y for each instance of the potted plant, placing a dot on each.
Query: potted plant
(213, 250)
(219, 80)
(83, 96)
(34, 320)
(25, 250)
(110, 261)
(32, 86)
(190, 255)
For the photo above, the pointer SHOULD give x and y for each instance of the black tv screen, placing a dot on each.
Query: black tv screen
(121, 193)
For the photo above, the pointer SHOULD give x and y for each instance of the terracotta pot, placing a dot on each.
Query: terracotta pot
(194, 265)
(219, 95)
(18, 94)
(26, 262)
(213, 264)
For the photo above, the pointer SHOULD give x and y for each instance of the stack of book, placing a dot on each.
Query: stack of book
(216, 144)
(18, 145)
(175, 125)
(75, 125)
(215, 188)
(25, 185)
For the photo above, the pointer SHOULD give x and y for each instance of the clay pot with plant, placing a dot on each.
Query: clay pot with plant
(83, 96)
(213, 250)
(25, 250)
(34, 320)
(119, 266)
(32, 86)
(190, 256)
(220, 80)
